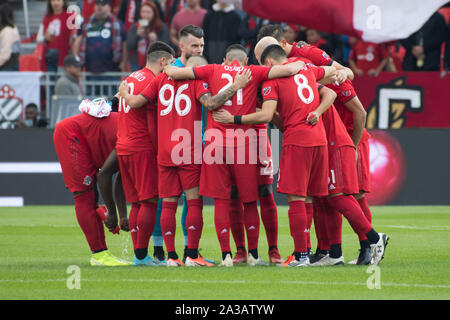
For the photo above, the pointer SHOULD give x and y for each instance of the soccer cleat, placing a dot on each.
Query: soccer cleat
(364, 258)
(292, 262)
(274, 256)
(199, 262)
(147, 262)
(379, 248)
(328, 261)
(227, 262)
(174, 263)
(106, 259)
(207, 260)
(317, 257)
(251, 261)
(240, 256)
(157, 260)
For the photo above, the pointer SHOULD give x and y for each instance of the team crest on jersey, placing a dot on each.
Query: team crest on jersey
(205, 85)
(87, 181)
(301, 44)
(324, 54)
(266, 91)
(347, 93)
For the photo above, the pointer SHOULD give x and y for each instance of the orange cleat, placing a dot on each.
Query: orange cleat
(199, 262)
(174, 263)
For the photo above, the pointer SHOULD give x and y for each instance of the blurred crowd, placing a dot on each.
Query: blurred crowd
(113, 35)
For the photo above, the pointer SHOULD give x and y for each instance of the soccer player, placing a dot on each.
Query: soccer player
(179, 115)
(342, 184)
(219, 175)
(137, 149)
(83, 143)
(350, 110)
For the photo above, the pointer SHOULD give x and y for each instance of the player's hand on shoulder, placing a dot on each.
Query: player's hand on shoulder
(242, 78)
(223, 116)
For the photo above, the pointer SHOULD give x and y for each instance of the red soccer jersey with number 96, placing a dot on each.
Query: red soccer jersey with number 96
(297, 96)
(179, 114)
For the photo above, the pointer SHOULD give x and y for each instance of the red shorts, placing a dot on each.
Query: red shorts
(342, 171)
(363, 165)
(77, 166)
(265, 163)
(216, 179)
(139, 175)
(303, 171)
(173, 180)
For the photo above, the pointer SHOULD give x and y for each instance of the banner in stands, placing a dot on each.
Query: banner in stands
(407, 167)
(17, 90)
(405, 100)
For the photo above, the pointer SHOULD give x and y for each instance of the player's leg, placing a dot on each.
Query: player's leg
(132, 221)
(158, 240)
(309, 219)
(184, 213)
(237, 226)
(320, 226)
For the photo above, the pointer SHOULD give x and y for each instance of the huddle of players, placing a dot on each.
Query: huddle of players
(317, 145)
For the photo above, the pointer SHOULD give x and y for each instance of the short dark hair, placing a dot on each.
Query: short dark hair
(273, 51)
(6, 16)
(236, 46)
(193, 30)
(159, 49)
(271, 30)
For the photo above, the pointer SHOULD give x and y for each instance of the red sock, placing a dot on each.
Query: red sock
(334, 225)
(251, 222)
(194, 222)
(90, 223)
(297, 225)
(309, 219)
(348, 206)
(365, 208)
(269, 217)
(169, 224)
(132, 222)
(237, 222)
(222, 223)
(320, 223)
(146, 221)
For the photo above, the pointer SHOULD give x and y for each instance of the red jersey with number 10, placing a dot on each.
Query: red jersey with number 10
(297, 96)
(179, 113)
(135, 133)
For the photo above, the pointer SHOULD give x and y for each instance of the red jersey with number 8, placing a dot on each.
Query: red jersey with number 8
(297, 96)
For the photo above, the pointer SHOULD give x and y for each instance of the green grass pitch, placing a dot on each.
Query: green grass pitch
(38, 244)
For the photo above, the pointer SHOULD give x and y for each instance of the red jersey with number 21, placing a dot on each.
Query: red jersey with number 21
(297, 96)
(178, 109)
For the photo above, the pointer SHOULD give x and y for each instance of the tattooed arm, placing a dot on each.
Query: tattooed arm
(213, 102)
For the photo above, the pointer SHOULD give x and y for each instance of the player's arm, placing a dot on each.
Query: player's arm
(265, 115)
(276, 121)
(214, 102)
(105, 184)
(343, 73)
(359, 118)
(285, 70)
(327, 97)
(134, 101)
(329, 76)
(186, 73)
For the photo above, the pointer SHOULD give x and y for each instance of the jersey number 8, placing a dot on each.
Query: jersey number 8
(303, 85)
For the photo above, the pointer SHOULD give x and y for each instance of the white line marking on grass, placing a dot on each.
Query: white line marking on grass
(261, 282)
(432, 228)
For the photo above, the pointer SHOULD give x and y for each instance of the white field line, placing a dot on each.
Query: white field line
(431, 228)
(239, 282)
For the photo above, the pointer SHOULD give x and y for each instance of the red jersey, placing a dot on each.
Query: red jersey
(179, 112)
(58, 27)
(133, 132)
(220, 77)
(100, 134)
(316, 55)
(297, 96)
(367, 55)
(337, 134)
